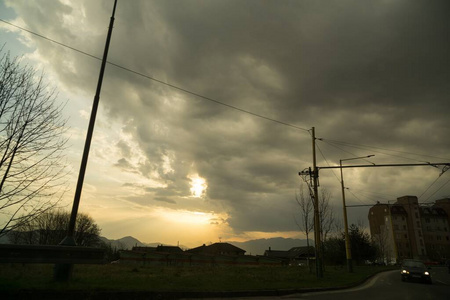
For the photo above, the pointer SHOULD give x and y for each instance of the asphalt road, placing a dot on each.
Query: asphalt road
(386, 286)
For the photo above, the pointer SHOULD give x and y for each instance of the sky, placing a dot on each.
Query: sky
(202, 130)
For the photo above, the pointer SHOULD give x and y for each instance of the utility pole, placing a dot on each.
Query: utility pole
(394, 244)
(446, 164)
(315, 175)
(63, 272)
(317, 241)
(348, 249)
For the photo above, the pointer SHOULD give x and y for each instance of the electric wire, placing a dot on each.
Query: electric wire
(339, 180)
(330, 144)
(437, 190)
(321, 153)
(443, 171)
(353, 154)
(372, 150)
(357, 198)
(381, 195)
(429, 187)
(365, 147)
(327, 141)
(160, 81)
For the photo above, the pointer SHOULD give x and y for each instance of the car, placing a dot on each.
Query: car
(415, 270)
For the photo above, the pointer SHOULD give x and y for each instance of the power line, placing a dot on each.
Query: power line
(429, 187)
(357, 198)
(160, 81)
(321, 153)
(360, 146)
(382, 195)
(437, 190)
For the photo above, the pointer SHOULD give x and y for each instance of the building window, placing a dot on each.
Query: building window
(417, 215)
(406, 236)
(404, 227)
(395, 227)
(418, 224)
(403, 218)
(427, 220)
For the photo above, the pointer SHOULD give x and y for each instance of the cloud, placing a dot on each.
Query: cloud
(366, 73)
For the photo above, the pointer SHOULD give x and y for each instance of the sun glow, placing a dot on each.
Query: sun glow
(198, 186)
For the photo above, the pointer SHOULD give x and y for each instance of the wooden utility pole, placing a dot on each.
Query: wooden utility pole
(317, 241)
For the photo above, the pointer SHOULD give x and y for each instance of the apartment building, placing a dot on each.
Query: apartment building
(405, 229)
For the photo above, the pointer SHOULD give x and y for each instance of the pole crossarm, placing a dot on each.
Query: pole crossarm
(385, 165)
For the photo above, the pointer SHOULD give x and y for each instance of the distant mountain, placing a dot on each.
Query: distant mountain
(257, 247)
(128, 242)
(254, 247)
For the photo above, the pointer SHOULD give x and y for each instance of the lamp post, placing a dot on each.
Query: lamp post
(348, 251)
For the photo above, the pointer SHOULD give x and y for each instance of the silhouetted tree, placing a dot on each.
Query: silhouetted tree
(334, 250)
(32, 170)
(361, 247)
(112, 252)
(50, 228)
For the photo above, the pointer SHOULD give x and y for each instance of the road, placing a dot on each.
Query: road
(386, 286)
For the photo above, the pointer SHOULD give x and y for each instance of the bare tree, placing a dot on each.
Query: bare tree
(306, 223)
(326, 215)
(32, 169)
(50, 228)
(381, 240)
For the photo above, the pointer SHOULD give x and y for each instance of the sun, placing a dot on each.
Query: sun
(198, 185)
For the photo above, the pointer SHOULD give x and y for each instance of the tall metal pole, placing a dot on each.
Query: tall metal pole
(318, 244)
(348, 250)
(87, 145)
(63, 272)
(394, 243)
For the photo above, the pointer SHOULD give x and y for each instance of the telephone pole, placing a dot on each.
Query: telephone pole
(315, 176)
(317, 241)
(63, 272)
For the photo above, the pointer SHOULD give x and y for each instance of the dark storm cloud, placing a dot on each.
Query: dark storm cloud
(366, 72)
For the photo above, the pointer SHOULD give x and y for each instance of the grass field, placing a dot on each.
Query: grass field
(118, 277)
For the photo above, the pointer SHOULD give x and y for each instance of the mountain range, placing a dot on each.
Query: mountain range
(253, 247)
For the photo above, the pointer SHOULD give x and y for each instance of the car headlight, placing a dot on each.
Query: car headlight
(427, 273)
(405, 272)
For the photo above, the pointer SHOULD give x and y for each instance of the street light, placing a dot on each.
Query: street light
(347, 238)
